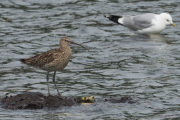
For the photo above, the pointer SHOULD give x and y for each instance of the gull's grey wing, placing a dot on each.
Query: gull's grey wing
(138, 22)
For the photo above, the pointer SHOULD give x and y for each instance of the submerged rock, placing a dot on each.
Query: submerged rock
(123, 99)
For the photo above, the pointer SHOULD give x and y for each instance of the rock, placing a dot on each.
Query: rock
(31, 100)
(36, 100)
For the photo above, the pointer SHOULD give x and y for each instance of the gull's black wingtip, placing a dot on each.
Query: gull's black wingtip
(113, 18)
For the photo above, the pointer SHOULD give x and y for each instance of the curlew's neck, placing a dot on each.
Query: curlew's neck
(66, 48)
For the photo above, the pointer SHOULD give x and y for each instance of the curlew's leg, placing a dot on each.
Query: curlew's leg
(47, 78)
(55, 83)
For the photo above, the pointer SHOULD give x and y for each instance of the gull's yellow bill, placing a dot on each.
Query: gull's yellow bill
(173, 24)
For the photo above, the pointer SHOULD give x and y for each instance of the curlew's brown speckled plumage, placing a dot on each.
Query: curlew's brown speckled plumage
(52, 60)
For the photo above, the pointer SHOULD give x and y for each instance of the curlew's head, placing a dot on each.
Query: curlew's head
(65, 41)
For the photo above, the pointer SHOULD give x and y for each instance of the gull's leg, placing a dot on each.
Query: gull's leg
(55, 83)
(47, 78)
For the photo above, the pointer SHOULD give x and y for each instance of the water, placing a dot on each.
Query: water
(118, 63)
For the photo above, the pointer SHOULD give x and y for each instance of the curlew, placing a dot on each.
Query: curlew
(52, 60)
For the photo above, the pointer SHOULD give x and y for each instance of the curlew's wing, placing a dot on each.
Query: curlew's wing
(42, 59)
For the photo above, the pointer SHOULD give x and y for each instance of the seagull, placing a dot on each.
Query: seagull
(148, 23)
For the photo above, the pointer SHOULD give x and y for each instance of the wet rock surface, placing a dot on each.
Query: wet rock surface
(31, 100)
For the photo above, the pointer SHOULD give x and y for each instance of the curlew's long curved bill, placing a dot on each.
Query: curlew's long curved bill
(79, 45)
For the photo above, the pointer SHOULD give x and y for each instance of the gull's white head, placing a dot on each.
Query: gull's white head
(167, 19)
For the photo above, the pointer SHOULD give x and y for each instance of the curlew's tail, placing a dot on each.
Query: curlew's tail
(113, 18)
(22, 60)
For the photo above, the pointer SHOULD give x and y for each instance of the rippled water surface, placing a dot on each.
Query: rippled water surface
(118, 63)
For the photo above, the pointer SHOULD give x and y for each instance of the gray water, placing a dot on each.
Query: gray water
(118, 63)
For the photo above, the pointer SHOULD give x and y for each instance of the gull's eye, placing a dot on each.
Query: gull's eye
(167, 20)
